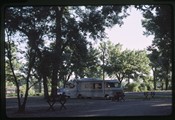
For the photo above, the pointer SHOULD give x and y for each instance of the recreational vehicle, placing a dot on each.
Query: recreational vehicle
(92, 88)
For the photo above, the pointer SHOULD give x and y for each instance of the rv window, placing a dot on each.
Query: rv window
(97, 85)
(70, 85)
(110, 84)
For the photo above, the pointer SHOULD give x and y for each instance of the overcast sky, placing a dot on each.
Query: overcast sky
(130, 34)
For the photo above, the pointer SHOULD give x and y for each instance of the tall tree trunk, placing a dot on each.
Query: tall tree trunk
(9, 55)
(154, 78)
(57, 51)
(119, 78)
(31, 64)
(162, 85)
(128, 80)
(45, 86)
(40, 87)
(167, 80)
(23, 105)
(16, 82)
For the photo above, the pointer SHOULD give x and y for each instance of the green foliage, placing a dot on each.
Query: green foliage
(126, 64)
(93, 68)
(139, 87)
(9, 84)
(159, 24)
(134, 87)
(22, 89)
(32, 92)
(143, 88)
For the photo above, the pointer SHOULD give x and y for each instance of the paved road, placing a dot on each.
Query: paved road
(93, 107)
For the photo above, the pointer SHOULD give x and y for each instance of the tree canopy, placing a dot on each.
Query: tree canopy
(126, 64)
(158, 22)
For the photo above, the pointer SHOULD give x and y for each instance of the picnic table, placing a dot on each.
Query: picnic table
(119, 96)
(62, 98)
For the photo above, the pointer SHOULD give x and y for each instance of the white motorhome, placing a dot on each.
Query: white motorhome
(92, 88)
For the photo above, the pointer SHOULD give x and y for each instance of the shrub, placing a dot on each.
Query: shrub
(31, 92)
(142, 88)
(139, 87)
(133, 87)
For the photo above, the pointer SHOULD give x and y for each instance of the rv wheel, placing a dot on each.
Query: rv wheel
(107, 97)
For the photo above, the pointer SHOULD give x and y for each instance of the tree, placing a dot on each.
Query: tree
(10, 50)
(61, 21)
(23, 20)
(155, 64)
(158, 22)
(44, 69)
(81, 20)
(12, 65)
(103, 56)
(114, 64)
(93, 67)
(64, 26)
(16, 77)
(142, 63)
(126, 64)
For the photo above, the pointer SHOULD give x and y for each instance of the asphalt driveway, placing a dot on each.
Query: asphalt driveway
(37, 107)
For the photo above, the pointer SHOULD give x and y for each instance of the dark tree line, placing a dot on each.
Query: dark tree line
(160, 24)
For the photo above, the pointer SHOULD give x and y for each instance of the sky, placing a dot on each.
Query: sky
(130, 34)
